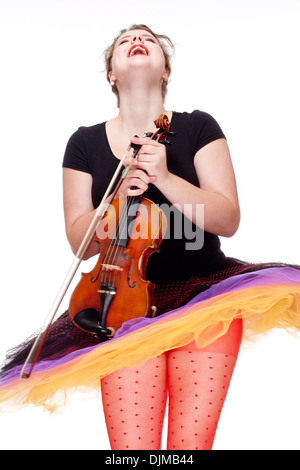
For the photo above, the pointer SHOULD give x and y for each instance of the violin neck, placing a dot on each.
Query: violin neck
(126, 221)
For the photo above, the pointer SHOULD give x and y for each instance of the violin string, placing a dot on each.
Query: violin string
(123, 229)
(114, 251)
(110, 255)
(108, 259)
(114, 255)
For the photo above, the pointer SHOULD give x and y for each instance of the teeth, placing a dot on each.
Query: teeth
(138, 48)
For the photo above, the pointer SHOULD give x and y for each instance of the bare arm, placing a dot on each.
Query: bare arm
(216, 176)
(78, 208)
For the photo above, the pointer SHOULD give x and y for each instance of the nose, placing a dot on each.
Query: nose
(136, 38)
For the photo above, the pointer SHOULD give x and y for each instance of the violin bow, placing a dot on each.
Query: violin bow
(99, 214)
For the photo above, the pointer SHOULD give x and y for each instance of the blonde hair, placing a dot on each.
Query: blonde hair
(164, 42)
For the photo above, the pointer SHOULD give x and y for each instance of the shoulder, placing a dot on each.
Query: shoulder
(80, 147)
(86, 137)
(200, 126)
(195, 118)
(87, 132)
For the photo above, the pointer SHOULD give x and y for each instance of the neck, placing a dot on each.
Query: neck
(138, 110)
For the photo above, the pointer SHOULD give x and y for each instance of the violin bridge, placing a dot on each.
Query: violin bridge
(112, 267)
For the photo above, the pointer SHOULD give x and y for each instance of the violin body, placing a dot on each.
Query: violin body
(116, 289)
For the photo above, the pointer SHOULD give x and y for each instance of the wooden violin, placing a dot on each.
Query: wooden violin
(116, 290)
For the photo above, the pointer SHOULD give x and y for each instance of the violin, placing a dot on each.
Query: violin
(116, 289)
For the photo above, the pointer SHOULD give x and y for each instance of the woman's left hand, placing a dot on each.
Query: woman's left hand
(152, 158)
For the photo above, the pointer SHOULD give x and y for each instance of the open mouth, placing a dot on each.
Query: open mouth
(138, 49)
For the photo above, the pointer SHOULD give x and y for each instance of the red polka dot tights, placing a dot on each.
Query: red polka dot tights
(196, 383)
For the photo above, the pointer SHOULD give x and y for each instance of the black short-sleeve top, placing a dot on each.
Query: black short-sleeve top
(181, 255)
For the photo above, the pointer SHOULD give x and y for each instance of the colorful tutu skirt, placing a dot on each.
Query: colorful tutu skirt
(265, 296)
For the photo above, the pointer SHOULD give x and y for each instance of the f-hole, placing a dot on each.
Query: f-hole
(131, 285)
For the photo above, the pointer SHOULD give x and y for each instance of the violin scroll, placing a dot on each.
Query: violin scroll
(163, 126)
(163, 123)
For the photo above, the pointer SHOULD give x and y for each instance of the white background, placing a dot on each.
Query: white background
(237, 60)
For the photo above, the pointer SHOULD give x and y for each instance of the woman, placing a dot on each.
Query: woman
(189, 350)
(138, 71)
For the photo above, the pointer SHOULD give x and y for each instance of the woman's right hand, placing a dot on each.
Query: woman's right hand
(136, 181)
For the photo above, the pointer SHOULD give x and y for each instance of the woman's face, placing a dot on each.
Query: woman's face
(138, 50)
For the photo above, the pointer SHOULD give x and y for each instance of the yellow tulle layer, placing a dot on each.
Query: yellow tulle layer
(262, 309)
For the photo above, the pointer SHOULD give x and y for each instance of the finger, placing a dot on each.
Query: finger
(152, 179)
(128, 161)
(135, 190)
(143, 166)
(145, 157)
(138, 183)
(147, 177)
(145, 141)
(138, 173)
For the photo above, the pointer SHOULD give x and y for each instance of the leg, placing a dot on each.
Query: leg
(134, 402)
(198, 385)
